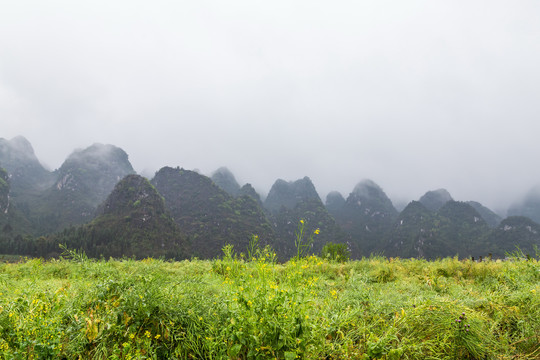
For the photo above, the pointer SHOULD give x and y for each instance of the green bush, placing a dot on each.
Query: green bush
(335, 252)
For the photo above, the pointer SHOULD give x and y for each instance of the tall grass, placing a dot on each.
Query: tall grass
(235, 308)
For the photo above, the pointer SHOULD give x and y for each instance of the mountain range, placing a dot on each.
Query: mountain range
(96, 202)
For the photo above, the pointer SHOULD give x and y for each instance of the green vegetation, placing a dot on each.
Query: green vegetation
(366, 216)
(290, 202)
(182, 214)
(208, 215)
(335, 252)
(231, 308)
(455, 229)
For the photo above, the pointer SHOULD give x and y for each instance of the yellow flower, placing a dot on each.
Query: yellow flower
(157, 336)
(147, 334)
(317, 231)
(301, 221)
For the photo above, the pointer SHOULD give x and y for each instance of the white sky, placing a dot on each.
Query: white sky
(415, 95)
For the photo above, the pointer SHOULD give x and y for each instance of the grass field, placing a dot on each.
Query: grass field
(231, 308)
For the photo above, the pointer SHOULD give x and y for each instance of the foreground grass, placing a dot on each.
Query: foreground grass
(232, 309)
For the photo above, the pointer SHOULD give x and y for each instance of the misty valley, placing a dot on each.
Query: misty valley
(96, 203)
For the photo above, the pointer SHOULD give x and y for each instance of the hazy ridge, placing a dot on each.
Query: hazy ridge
(197, 215)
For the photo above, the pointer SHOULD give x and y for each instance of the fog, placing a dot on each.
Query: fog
(415, 95)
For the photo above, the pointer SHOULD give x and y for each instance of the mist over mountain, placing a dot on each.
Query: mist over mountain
(96, 169)
(225, 179)
(94, 201)
(490, 217)
(14, 226)
(334, 202)
(415, 98)
(435, 199)
(289, 194)
(248, 190)
(83, 181)
(13, 223)
(514, 234)
(28, 176)
(365, 216)
(290, 202)
(455, 229)
(529, 206)
(4, 191)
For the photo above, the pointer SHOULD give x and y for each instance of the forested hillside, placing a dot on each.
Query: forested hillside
(95, 203)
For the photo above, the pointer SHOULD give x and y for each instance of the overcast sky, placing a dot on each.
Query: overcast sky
(415, 95)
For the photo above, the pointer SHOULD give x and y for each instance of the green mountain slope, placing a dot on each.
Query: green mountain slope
(288, 203)
(83, 181)
(491, 218)
(14, 226)
(456, 229)
(529, 206)
(512, 233)
(435, 199)
(28, 176)
(366, 216)
(210, 216)
(225, 179)
(133, 221)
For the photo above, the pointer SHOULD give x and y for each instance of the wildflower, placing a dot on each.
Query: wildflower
(147, 334)
(317, 231)
(157, 336)
(301, 221)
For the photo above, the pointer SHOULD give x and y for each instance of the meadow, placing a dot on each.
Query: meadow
(251, 307)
